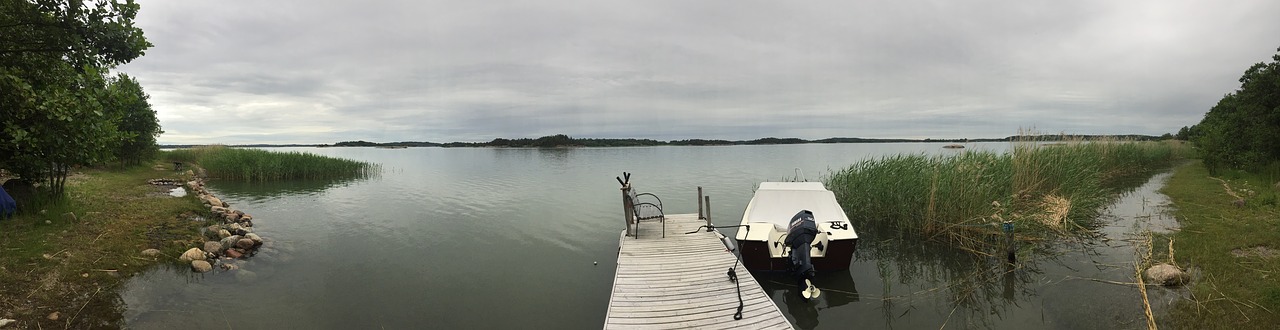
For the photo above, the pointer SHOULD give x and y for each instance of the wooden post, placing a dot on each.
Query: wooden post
(627, 209)
(708, 198)
(1007, 226)
(700, 216)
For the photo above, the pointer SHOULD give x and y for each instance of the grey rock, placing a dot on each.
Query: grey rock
(214, 201)
(254, 237)
(229, 241)
(201, 266)
(1166, 274)
(212, 247)
(245, 243)
(151, 253)
(224, 233)
(192, 254)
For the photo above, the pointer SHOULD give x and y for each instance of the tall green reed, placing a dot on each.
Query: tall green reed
(262, 165)
(1041, 188)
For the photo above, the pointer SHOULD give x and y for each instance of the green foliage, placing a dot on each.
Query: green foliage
(1046, 188)
(1242, 130)
(137, 124)
(53, 91)
(261, 165)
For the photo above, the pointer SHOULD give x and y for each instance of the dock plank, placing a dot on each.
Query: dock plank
(681, 282)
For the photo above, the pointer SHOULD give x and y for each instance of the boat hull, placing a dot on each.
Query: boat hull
(756, 256)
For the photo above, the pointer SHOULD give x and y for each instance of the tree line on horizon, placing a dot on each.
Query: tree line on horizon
(562, 140)
(61, 105)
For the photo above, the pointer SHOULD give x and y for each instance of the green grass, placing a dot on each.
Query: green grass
(1236, 292)
(261, 165)
(1042, 189)
(49, 263)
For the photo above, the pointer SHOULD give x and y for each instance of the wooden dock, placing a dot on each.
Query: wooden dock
(681, 282)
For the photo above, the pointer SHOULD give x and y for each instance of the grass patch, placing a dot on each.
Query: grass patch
(51, 263)
(1230, 244)
(960, 199)
(261, 165)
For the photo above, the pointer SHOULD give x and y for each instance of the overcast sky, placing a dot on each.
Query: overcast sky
(293, 71)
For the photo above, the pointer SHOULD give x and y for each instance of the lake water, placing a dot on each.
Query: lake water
(528, 238)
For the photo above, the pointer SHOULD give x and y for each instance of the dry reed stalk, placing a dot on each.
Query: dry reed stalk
(1146, 304)
(1144, 260)
(1227, 188)
(1055, 209)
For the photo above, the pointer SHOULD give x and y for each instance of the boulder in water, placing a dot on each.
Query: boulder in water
(212, 247)
(1166, 274)
(229, 241)
(254, 237)
(201, 266)
(245, 243)
(192, 254)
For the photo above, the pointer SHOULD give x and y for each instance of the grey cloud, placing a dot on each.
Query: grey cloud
(319, 72)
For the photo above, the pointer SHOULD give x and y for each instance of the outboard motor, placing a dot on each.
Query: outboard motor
(800, 235)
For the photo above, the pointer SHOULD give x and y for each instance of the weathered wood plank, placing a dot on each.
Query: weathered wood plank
(680, 281)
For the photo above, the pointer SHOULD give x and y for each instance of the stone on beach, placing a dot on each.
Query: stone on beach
(212, 247)
(1166, 274)
(245, 243)
(192, 254)
(201, 266)
(254, 237)
(229, 241)
(224, 233)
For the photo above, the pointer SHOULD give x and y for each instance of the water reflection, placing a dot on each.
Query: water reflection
(451, 235)
(256, 191)
(838, 289)
(914, 283)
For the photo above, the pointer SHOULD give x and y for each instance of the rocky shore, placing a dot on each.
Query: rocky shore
(231, 238)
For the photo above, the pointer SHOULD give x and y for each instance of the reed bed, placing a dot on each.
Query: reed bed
(1040, 188)
(261, 165)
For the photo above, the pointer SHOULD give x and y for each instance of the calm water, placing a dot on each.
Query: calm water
(506, 238)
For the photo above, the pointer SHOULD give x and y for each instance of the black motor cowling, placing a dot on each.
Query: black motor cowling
(800, 235)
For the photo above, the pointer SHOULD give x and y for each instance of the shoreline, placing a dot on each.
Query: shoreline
(61, 266)
(1230, 233)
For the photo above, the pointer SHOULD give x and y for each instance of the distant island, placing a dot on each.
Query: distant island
(564, 141)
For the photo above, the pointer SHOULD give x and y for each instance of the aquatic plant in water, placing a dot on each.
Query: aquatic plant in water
(1042, 189)
(262, 165)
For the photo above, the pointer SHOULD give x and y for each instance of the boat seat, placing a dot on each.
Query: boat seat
(650, 208)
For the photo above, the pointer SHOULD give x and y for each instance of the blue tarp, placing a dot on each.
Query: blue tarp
(7, 204)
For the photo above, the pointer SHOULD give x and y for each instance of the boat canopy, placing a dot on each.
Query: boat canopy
(777, 202)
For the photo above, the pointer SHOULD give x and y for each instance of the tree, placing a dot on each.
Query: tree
(1242, 129)
(1184, 133)
(137, 125)
(53, 59)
